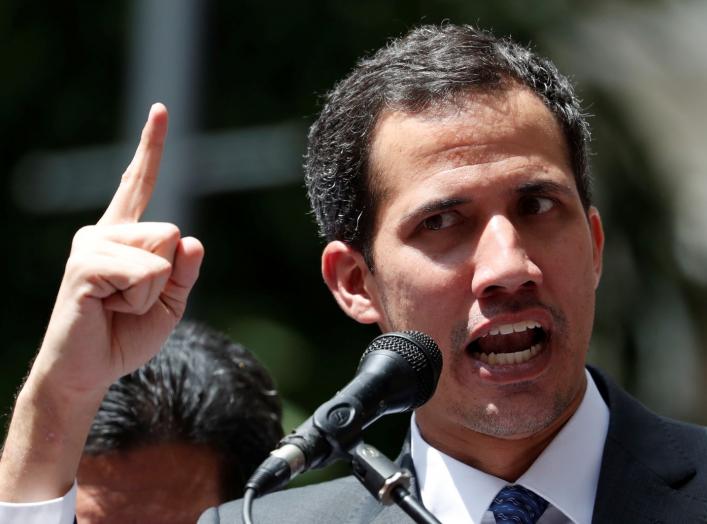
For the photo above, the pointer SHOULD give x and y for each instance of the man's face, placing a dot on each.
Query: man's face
(481, 241)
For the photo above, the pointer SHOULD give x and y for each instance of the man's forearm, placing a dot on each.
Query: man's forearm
(44, 441)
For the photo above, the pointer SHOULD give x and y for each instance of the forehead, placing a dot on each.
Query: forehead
(481, 129)
(114, 486)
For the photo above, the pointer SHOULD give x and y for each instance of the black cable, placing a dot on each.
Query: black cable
(248, 497)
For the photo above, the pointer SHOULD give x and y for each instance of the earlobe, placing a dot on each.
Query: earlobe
(348, 277)
(597, 232)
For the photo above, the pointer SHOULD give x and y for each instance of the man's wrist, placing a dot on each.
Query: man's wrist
(44, 441)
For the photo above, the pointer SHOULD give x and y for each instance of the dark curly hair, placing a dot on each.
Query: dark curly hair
(429, 66)
(201, 388)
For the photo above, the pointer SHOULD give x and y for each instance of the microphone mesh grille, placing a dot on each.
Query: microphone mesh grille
(420, 351)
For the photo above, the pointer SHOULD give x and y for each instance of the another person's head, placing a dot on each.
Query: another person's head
(180, 434)
(448, 172)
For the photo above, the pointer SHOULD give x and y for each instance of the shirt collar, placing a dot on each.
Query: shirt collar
(565, 474)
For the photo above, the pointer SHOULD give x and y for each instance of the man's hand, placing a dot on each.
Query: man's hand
(124, 289)
(126, 283)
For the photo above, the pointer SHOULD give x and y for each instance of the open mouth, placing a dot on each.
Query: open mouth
(509, 343)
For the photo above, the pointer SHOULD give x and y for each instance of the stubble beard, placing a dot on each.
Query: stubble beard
(521, 410)
(512, 418)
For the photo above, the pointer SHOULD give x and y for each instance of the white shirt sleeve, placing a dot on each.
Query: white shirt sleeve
(56, 511)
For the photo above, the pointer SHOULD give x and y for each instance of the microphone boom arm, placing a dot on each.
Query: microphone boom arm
(387, 482)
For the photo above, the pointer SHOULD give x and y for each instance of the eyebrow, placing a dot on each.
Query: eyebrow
(435, 206)
(526, 188)
(544, 186)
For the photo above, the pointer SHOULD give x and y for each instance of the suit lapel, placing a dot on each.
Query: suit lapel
(643, 466)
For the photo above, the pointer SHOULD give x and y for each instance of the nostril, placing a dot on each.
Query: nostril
(491, 290)
(505, 272)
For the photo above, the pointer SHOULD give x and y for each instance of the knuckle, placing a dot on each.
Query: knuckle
(165, 268)
(153, 270)
(73, 266)
(171, 232)
(82, 235)
(142, 308)
(128, 176)
(156, 272)
(166, 237)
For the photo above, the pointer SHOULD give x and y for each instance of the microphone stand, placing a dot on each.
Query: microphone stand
(386, 482)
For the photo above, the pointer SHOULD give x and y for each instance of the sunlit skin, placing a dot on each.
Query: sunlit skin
(162, 483)
(480, 225)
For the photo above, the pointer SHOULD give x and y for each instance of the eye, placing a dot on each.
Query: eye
(534, 205)
(441, 221)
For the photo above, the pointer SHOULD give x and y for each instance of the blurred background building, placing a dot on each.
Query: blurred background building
(242, 81)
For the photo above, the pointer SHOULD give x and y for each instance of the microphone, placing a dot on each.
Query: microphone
(398, 372)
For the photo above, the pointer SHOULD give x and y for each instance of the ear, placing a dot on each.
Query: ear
(351, 282)
(597, 232)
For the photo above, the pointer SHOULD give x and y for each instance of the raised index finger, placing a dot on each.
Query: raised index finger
(135, 189)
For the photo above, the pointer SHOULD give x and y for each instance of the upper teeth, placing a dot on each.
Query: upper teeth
(518, 327)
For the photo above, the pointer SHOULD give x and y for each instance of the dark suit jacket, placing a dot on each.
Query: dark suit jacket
(654, 470)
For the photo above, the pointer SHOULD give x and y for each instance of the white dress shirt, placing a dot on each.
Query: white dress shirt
(56, 511)
(565, 474)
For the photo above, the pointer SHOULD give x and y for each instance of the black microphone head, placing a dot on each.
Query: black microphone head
(420, 352)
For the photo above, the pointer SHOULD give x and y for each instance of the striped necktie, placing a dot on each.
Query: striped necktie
(517, 504)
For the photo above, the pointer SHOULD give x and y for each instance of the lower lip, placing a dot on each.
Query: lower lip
(510, 373)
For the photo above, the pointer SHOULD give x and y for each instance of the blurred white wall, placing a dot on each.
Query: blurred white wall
(652, 58)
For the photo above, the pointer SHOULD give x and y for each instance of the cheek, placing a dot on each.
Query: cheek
(569, 278)
(417, 292)
(568, 261)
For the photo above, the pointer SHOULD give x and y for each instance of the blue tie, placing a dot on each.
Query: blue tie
(517, 504)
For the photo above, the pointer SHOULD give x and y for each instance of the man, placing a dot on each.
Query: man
(448, 174)
(180, 434)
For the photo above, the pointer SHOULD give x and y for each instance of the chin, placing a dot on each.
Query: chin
(513, 420)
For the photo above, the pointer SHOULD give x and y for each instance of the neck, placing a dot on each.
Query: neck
(504, 457)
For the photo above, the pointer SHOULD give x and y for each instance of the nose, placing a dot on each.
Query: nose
(501, 262)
